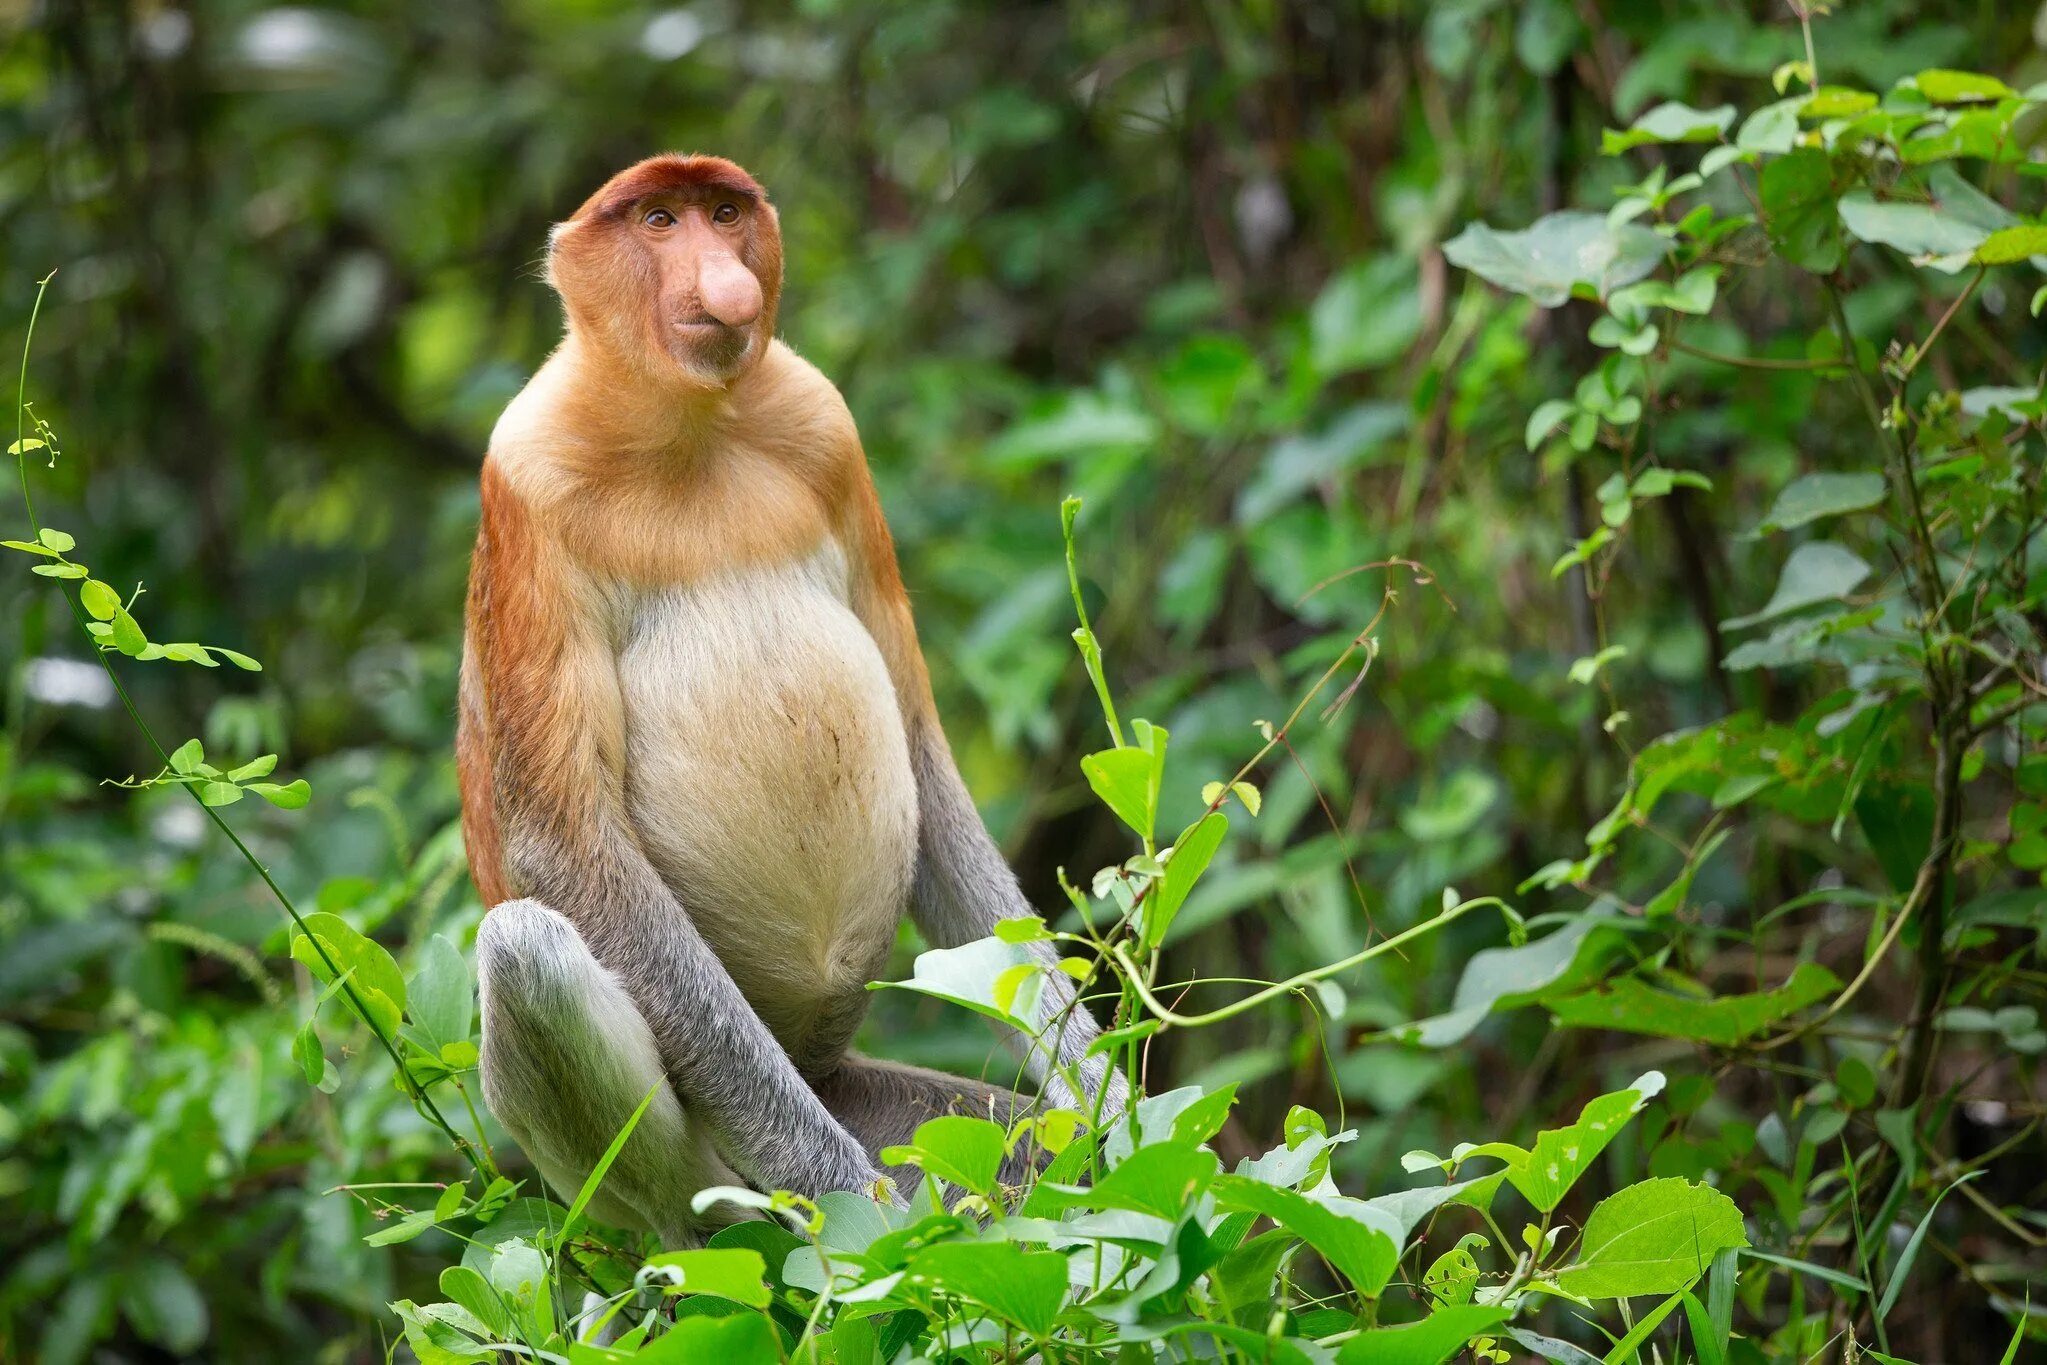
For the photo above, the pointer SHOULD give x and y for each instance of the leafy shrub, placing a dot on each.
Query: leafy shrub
(1880, 718)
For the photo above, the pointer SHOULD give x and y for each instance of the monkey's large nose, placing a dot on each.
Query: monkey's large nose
(728, 290)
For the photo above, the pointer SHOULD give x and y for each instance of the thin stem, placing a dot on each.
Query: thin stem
(1171, 1018)
(421, 1101)
(1748, 362)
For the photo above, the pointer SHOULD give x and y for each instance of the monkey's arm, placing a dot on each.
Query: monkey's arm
(963, 885)
(551, 723)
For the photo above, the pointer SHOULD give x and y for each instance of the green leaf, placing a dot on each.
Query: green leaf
(241, 661)
(57, 540)
(187, 757)
(968, 975)
(1797, 192)
(1127, 781)
(1961, 87)
(290, 796)
(59, 570)
(1835, 101)
(1632, 1005)
(1192, 853)
(1903, 1269)
(98, 599)
(127, 635)
(2007, 246)
(1362, 1243)
(1026, 1288)
(468, 1288)
(255, 767)
(1559, 253)
(1546, 1172)
(595, 1180)
(1159, 1179)
(441, 992)
(1818, 571)
(1670, 122)
(742, 1339)
(165, 1306)
(1428, 1342)
(965, 1151)
(1656, 1237)
(219, 793)
(1942, 231)
(1822, 495)
(371, 973)
(1501, 978)
(1546, 419)
(735, 1273)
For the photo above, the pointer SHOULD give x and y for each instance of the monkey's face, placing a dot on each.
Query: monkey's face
(676, 261)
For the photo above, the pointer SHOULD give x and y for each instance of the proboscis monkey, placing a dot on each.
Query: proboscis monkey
(702, 773)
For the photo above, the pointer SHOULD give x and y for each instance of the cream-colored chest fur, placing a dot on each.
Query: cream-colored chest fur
(769, 779)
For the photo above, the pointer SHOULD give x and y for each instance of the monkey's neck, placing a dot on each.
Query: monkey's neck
(616, 406)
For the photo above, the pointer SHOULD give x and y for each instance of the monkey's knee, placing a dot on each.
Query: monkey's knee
(567, 1058)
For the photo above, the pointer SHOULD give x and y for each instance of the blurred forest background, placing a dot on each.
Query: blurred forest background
(1183, 259)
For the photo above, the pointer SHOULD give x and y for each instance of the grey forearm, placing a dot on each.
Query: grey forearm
(723, 1061)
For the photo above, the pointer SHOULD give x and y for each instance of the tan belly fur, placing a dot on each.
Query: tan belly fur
(770, 779)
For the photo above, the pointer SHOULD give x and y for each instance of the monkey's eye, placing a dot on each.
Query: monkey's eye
(725, 213)
(659, 218)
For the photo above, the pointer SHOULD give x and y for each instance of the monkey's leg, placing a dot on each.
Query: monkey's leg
(567, 1058)
(881, 1103)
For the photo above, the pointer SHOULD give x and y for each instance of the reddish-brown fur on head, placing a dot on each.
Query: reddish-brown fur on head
(647, 269)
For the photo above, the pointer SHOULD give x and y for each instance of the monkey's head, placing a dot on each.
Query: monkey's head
(675, 265)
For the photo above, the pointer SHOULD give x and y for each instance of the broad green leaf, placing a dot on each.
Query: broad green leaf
(60, 541)
(735, 1273)
(1429, 1342)
(1798, 199)
(1073, 424)
(1942, 230)
(1670, 122)
(254, 768)
(165, 1306)
(1632, 1005)
(1545, 1173)
(1159, 1179)
(1366, 316)
(1822, 495)
(1126, 780)
(1501, 978)
(742, 1339)
(1817, 571)
(1655, 1237)
(1362, 1243)
(98, 599)
(2007, 246)
(468, 1288)
(1026, 1288)
(1558, 253)
(968, 975)
(372, 975)
(219, 793)
(1835, 101)
(291, 796)
(127, 635)
(1192, 853)
(966, 1151)
(1961, 87)
(187, 757)
(441, 991)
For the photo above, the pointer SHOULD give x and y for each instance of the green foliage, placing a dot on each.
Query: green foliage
(1664, 558)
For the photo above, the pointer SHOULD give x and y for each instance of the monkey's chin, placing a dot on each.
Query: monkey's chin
(709, 352)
